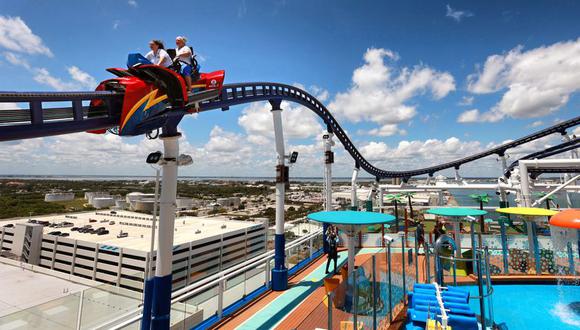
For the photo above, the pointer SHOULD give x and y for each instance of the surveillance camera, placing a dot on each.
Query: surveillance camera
(389, 239)
(154, 157)
(293, 157)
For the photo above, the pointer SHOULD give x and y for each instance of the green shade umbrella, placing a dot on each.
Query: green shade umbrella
(456, 213)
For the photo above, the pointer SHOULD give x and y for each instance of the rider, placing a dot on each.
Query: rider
(183, 54)
(158, 55)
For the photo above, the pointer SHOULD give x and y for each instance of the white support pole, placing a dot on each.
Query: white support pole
(164, 262)
(351, 234)
(573, 155)
(502, 193)
(381, 199)
(526, 201)
(353, 194)
(328, 160)
(279, 273)
(328, 143)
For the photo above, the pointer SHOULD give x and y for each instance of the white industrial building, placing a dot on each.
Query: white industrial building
(229, 201)
(184, 203)
(120, 255)
(59, 197)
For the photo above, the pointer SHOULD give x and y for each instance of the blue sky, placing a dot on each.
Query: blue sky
(413, 82)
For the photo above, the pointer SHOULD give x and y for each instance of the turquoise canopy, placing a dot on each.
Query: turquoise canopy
(456, 212)
(351, 217)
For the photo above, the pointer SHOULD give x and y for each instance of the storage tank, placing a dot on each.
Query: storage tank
(121, 204)
(103, 202)
(143, 205)
(58, 197)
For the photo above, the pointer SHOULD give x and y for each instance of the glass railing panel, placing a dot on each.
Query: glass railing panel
(206, 301)
(101, 304)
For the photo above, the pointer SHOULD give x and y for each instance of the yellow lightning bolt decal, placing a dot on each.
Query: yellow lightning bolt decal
(151, 101)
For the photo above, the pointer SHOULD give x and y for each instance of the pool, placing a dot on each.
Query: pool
(534, 306)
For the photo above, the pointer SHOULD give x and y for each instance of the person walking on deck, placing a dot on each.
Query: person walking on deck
(420, 236)
(332, 239)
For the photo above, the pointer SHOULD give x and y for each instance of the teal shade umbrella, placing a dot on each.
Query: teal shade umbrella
(351, 223)
(456, 213)
(355, 218)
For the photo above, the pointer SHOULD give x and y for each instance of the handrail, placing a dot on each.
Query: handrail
(207, 282)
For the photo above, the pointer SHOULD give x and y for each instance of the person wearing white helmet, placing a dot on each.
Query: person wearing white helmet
(184, 54)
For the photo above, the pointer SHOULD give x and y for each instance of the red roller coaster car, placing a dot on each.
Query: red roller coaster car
(153, 94)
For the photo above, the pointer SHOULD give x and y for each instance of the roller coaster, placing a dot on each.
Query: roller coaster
(38, 121)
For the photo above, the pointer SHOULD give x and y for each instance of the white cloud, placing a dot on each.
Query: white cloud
(222, 141)
(474, 116)
(466, 100)
(385, 130)
(80, 79)
(242, 9)
(9, 106)
(133, 3)
(537, 123)
(380, 91)
(16, 60)
(457, 15)
(16, 36)
(537, 82)
(83, 78)
(298, 122)
(116, 24)
(412, 154)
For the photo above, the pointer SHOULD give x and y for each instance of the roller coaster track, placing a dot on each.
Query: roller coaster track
(37, 121)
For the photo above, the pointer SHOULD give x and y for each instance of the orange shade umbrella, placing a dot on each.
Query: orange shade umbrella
(567, 219)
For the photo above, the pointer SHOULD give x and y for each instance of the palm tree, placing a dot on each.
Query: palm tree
(409, 195)
(541, 194)
(395, 199)
(481, 199)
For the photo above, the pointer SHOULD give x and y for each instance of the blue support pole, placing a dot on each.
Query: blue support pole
(473, 244)
(571, 259)
(280, 272)
(161, 302)
(536, 248)
(504, 246)
(147, 302)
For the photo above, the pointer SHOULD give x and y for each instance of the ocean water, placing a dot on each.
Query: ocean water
(463, 199)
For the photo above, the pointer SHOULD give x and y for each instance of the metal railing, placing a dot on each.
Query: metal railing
(219, 280)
